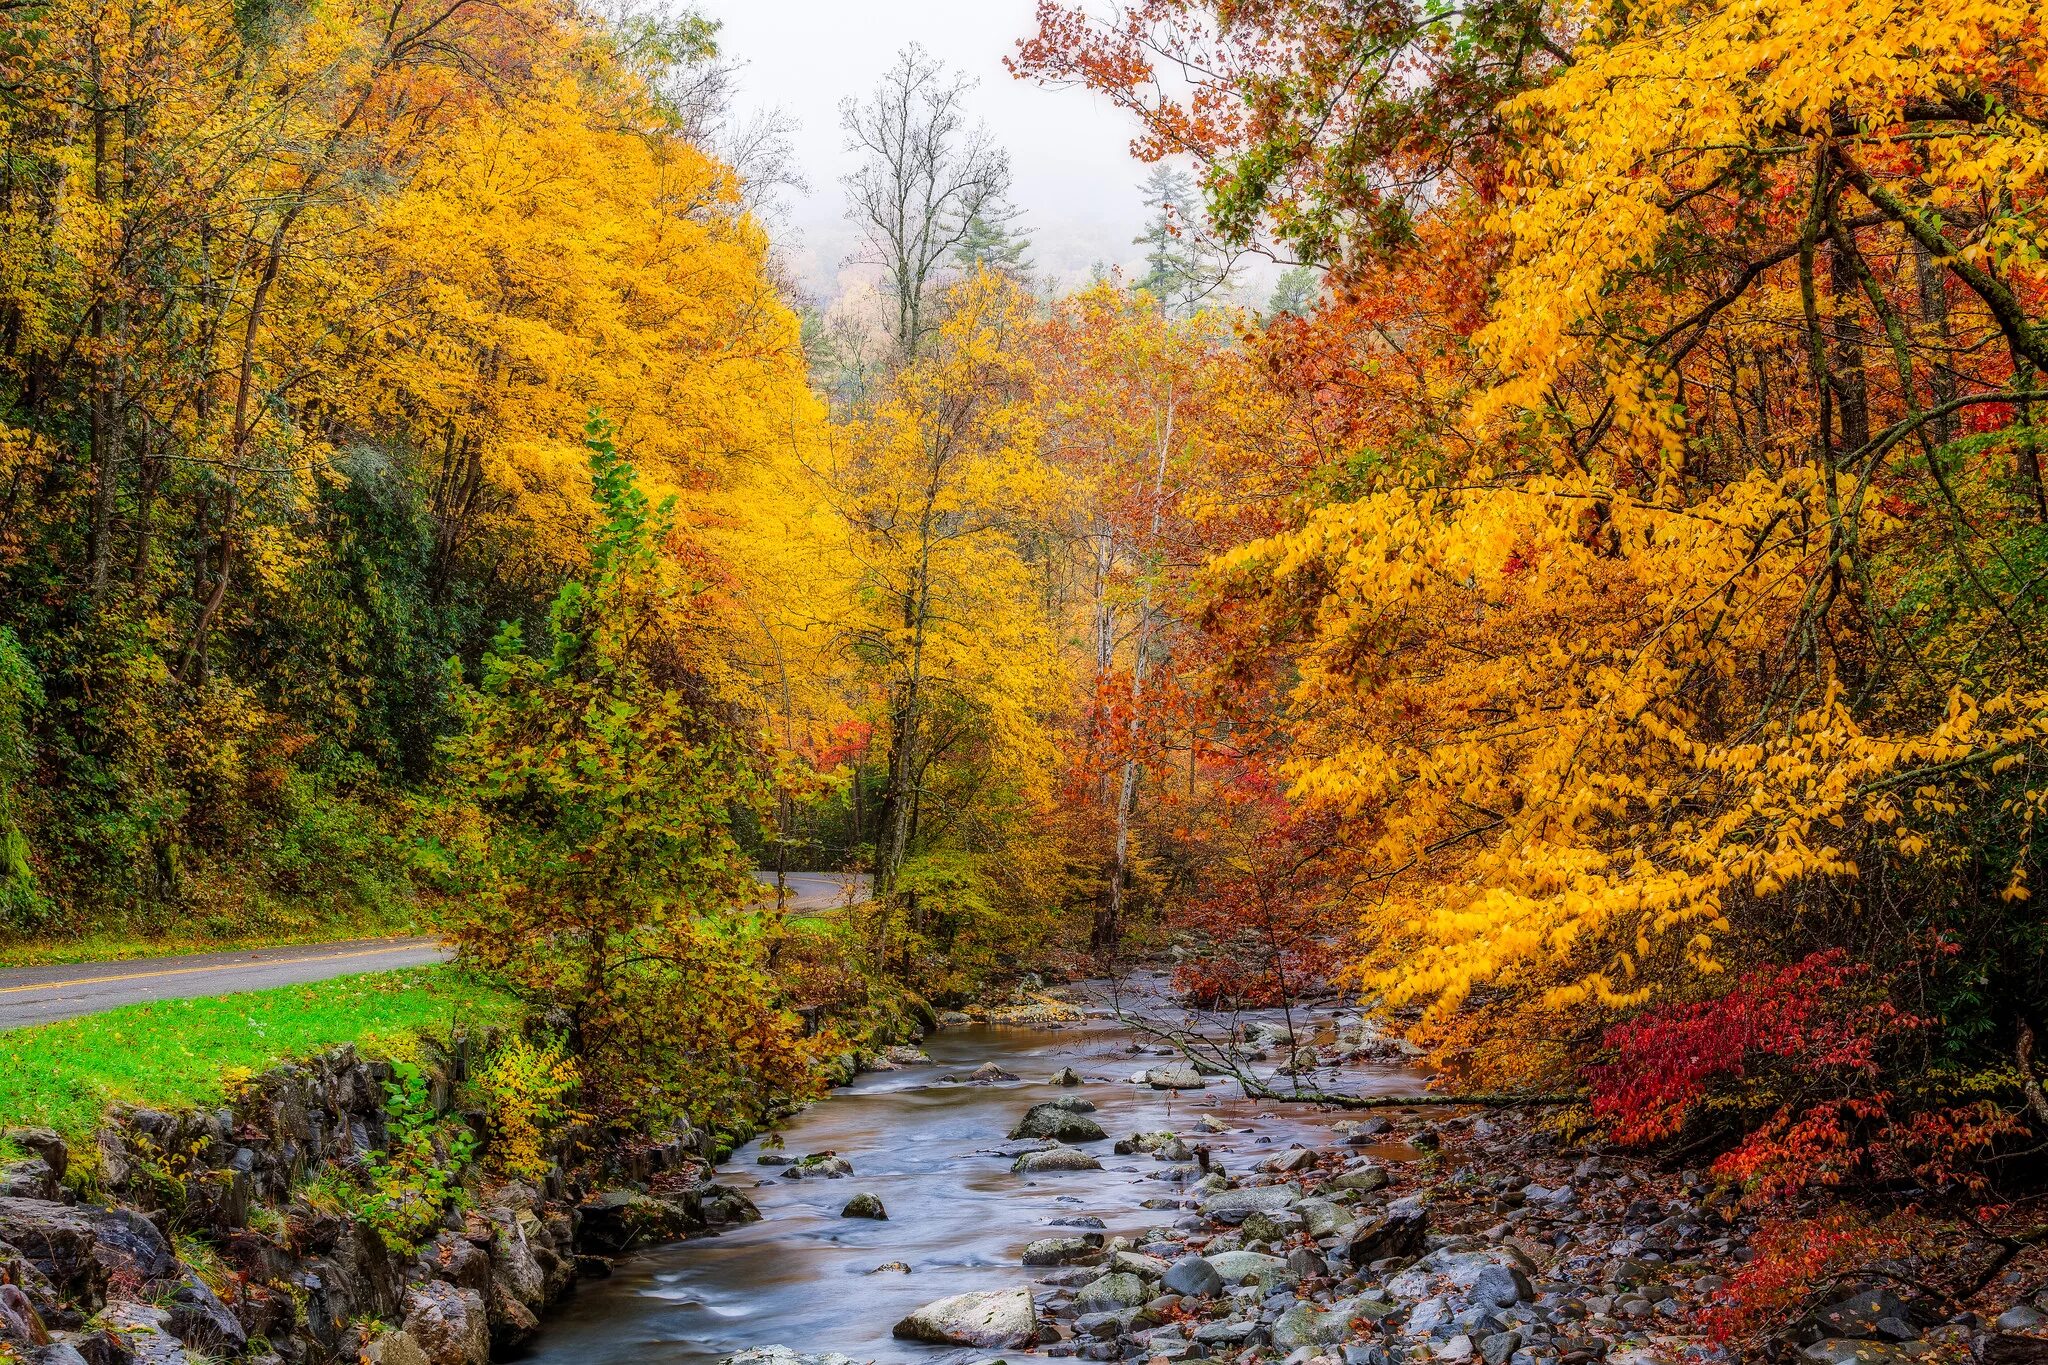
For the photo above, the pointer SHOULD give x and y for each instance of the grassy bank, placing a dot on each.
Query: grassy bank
(178, 1053)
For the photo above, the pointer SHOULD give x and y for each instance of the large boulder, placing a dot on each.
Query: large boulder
(995, 1319)
(1058, 1122)
(448, 1323)
(57, 1242)
(616, 1221)
(394, 1347)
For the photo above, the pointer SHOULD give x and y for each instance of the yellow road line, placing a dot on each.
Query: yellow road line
(216, 967)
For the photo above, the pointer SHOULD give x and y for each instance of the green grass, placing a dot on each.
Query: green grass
(172, 1054)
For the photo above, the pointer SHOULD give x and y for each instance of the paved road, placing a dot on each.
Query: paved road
(810, 892)
(38, 995)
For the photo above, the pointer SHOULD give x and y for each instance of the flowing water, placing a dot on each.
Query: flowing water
(806, 1278)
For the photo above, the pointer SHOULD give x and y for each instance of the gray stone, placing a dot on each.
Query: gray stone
(1118, 1290)
(1364, 1179)
(1234, 1206)
(998, 1319)
(1500, 1286)
(1854, 1351)
(1193, 1277)
(448, 1323)
(1058, 1121)
(1055, 1159)
(1174, 1076)
(1062, 1250)
(2021, 1317)
(1238, 1266)
(782, 1355)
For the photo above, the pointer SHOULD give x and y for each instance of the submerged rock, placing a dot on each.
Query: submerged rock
(1174, 1076)
(998, 1319)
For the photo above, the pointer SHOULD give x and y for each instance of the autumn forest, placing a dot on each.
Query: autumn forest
(1594, 613)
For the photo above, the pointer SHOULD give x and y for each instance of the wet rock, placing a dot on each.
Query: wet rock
(448, 1323)
(1193, 1277)
(782, 1355)
(1058, 1122)
(1062, 1250)
(865, 1206)
(2007, 1348)
(999, 1319)
(894, 1267)
(2021, 1317)
(1235, 1332)
(1067, 1076)
(988, 1072)
(616, 1221)
(818, 1166)
(1234, 1206)
(1118, 1290)
(1055, 1159)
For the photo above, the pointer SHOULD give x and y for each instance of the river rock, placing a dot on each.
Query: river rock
(1307, 1325)
(1192, 1277)
(1365, 1179)
(1398, 1231)
(1067, 1076)
(449, 1323)
(994, 1319)
(1118, 1290)
(1139, 1264)
(819, 1165)
(1057, 1120)
(1062, 1250)
(1234, 1206)
(865, 1206)
(616, 1221)
(782, 1355)
(1235, 1267)
(1174, 1076)
(1500, 1286)
(989, 1072)
(1276, 1225)
(1055, 1159)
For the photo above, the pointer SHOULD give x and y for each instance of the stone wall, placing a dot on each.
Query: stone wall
(192, 1235)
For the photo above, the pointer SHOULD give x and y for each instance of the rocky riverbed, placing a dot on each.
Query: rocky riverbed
(1115, 1204)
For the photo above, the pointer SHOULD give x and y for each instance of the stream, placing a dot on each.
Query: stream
(920, 1138)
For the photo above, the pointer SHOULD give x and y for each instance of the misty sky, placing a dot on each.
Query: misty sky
(1069, 150)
